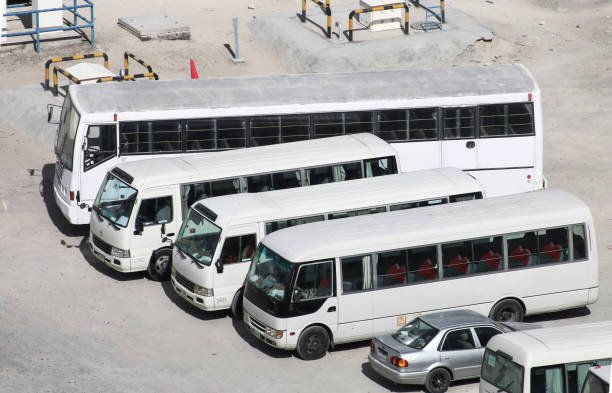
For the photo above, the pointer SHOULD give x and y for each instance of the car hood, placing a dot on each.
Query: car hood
(395, 345)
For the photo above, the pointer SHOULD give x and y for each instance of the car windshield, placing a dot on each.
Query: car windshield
(115, 200)
(198, 237)
(270, 273)
(417, 334)
(66, 134)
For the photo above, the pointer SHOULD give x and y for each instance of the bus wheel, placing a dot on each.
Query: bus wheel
(236, 307)
(438, 381)
(159, 267)
(313, 343)
(507, 310)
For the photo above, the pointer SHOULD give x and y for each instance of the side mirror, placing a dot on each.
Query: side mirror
(139, 227)
(219, 266)
(163, 229)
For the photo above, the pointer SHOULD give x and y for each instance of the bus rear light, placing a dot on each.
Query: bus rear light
(372, 347)
(399, 362)
(115, 116)
(529, 97)
(528, 177)
(72, 195)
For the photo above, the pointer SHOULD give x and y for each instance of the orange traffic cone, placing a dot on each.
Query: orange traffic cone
(194, 71)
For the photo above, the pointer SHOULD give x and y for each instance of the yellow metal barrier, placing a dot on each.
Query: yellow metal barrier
(71, 58)
(68, 75)
(150, 75)
(325, 7)
(380, 8)
(126, 63)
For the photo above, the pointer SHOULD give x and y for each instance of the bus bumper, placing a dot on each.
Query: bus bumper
(205, 303)
(265, 333)
(73, 213)
(122, 265)
(593, 295)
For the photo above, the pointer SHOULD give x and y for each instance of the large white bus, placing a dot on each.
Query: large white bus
(554, 360)
(214, 247)
(485, 120)
(140, 203)
(505, 256)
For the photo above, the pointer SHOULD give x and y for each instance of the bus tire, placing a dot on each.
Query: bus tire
(236, 307)
(507, 310)
(313, 343)
(438, 380)
(159, 267)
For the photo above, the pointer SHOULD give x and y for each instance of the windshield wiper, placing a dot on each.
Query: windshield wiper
(100, 216)
(185, 254)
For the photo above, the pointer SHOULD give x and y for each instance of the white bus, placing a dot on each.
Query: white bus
(216, 242)
(598, 380)
(139, 201)
(506, 256)
(485, 120)
(554, 360)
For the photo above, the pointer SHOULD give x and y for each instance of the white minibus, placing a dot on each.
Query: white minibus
(484, 120)
(140, 201)
(551, 360)
(216, 242)
(506, 256)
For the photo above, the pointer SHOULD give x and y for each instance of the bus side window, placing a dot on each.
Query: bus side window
(465, 197)
(553, 245)
(488, 256)
(238, 249)
(458, 122)
(422, 264)
(289, 179)
(380, 166)
(320, 175)
(314, 281)
(457, 258)
(155, 211)
(101, 144)
(225, 187)
(191, 193)
(356, 273)
(579, 239)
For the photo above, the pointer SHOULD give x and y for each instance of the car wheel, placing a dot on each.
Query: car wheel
(438, 381)
(159, 267)
(313, 343)
(507, 310)
(236, 307)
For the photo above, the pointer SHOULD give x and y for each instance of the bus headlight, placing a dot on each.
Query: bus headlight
(119, 253)
(198, 290)
(278, 334)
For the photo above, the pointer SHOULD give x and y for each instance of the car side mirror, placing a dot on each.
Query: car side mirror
(139, 227)
(163, 229)
(219, 265)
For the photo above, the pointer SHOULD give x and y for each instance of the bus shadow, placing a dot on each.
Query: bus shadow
(102, 268)
(188, 308)
(56, 216)
(557, 315)
(391, 386)
(245, 334)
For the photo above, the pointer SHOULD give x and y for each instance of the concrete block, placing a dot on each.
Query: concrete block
(161, 27)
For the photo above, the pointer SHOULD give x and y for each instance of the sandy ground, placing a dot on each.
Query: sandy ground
(68, 324)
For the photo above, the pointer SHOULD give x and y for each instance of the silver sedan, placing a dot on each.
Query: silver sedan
(437, 348)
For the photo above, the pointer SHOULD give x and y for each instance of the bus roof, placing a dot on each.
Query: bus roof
(415, 227)
(301, 89)
(340, 196)
(556, 345)
(190, 168)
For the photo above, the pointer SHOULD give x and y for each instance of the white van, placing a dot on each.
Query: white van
(141, 204)
(552, 360)
(213, 250)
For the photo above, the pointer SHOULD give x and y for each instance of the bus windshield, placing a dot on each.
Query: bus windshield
(115, 200)
(69, 122)
(501, 372)
(270, 273)
(198, 238)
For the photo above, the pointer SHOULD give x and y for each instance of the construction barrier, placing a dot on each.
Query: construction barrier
(380, 8)
(70, 58)
(150, 75)
(67, 74)
(325, 7)
(126, 63)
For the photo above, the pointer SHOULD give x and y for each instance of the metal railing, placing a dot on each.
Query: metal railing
(358, 11)
(325, 7)
(71, 58)
(79, 22)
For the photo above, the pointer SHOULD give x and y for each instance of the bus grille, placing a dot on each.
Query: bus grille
(257, 325)
(183, 281)
(102, 245)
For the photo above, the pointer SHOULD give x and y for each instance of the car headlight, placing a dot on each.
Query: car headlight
(119, 253)
(198, 290)
(278, 334)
